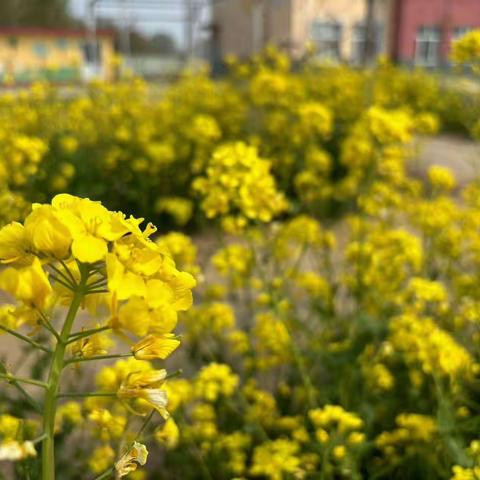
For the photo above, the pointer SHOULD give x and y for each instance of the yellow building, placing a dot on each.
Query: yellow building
(58, 55)
(335, 27)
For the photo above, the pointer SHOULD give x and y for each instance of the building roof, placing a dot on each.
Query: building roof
(51, 32)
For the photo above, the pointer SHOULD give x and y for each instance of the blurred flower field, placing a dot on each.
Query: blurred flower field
(334, 327)
(112, 141)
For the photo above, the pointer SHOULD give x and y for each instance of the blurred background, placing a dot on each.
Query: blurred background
(315, 165)
(77, 40)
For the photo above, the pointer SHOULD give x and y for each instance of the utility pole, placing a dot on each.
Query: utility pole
(258, 25)
(370, 33)
(91, 21)
(189, 22)
(125, 31)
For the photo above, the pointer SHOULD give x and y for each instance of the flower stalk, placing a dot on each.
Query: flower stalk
(97, 357)
(33, 343)
(13, 379)
(53, 384)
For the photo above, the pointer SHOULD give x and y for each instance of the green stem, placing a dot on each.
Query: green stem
(137, 437)
(62, 282)
(147, 420)
(48, 326)
(297, 354)
(87, 333)
(106, 474)
(11, 378)
(94, 292)
(102, 281)
(195, 452)
(97, 357)
(87, 394)
(63, 277)
(31, 401)
(298, 358)
(69, 273)
(39, 439)
(25, 339)
(56, 367)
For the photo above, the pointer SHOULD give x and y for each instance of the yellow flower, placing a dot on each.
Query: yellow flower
(46, 233)
(146, 386)
(106, 425)
(214, 380)
(461, 473)
(214, 317)
(356, 437)
(339, 452)
(424, 343)
(182, 249)
(413, 430)
(441, 178)
(14, 450)
(137, 455)
(138, 475)
(91, 226)
(9, 317)
(101, 459)
(91, 346)
(29, 284)
(14, 246)
(235, 262)
(238, 182)
(322, 435)
(467, 48)
(9, 426)
(314, 120)
(272, 340)
(109, 378)
(139, 268)
(136, 317)
(387, 127)
(276, 458)
(169, 434)
(155, 346)
(179, 392)
(69, 413)
(334, 416)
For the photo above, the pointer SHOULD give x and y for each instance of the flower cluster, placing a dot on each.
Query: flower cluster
(466, 49)
(336, 329)
(239, 187)
(351, 350)
(149, 148)
(76, 253)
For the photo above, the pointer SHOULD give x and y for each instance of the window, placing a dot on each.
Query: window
(427, 47)
(459, 32)
(359, 38)
(40, 49)
(62, 43)
(327, 37)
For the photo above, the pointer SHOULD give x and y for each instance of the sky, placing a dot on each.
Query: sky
(147, 16)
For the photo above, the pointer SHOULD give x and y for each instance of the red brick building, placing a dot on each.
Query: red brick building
(423, 30)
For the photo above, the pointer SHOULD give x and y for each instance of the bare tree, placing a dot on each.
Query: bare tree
(44, 13)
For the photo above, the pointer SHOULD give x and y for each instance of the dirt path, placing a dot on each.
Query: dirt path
(457, 153)
(461, 155)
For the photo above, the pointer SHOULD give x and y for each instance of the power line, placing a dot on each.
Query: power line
(146, 3)
(130, 12)
(119, 7)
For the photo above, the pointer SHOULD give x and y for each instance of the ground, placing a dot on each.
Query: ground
(461, 155)
(457, 153)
